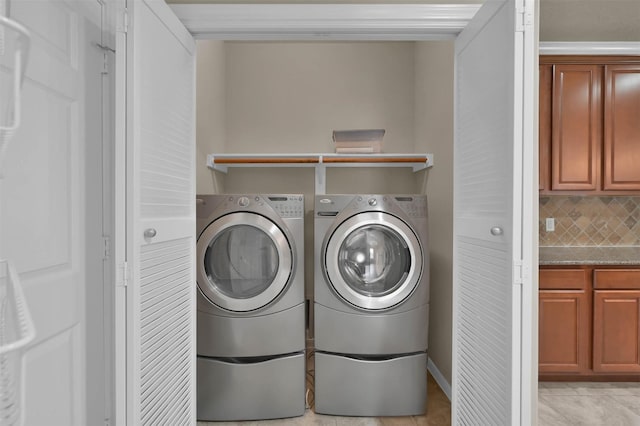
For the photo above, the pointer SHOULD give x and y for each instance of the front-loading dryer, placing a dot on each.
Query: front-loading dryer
(371, 304)
(250, 306)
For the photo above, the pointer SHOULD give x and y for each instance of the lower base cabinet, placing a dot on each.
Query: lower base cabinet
(589, 322)
(616, 320)
(564, 331)
(564, 325)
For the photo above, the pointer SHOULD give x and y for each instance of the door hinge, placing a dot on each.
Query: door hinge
(524, 17)
(106, 242)
(124, 24)
(518, 272)
(123, 275)
(125, 21)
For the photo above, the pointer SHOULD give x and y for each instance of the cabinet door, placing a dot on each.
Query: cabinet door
(564, 330)
(576, 139)
(544, 126)
(622, 127)
(616, 331)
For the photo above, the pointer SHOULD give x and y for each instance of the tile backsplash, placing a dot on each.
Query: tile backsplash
(590, 221)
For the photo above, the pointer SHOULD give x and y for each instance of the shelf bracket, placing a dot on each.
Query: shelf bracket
(427, 164)
(211, 163)
(321, 177)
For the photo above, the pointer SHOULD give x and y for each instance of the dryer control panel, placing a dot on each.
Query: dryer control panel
(287, 206)
(414, 206)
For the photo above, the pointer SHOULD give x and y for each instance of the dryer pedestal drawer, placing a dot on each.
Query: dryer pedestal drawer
(220, 336)
(269, 389)
(355, 387)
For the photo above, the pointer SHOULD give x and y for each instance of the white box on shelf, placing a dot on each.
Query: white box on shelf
(358, 141)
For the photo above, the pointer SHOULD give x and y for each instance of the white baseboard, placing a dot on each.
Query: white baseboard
(439, 378)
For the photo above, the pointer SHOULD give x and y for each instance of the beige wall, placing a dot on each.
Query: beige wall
(592, 20)
(434, 133)
(210, 112)
(288, 97)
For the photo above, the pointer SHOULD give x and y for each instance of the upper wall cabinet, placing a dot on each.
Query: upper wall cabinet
(622, 127)
(589, 124)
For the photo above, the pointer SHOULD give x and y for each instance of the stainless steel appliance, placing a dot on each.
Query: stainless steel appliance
(371, 304)
(251, 308)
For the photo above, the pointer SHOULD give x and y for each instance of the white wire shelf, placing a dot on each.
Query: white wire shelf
(14, 51)
(222, 162)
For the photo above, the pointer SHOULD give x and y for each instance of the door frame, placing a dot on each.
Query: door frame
(384, 22)
(380, 22)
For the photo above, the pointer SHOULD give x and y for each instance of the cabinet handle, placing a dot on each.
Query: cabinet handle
(496, 231)
(150, 233)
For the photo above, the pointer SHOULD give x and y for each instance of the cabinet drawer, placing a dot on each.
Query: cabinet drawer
(563, 279)
(616, 279)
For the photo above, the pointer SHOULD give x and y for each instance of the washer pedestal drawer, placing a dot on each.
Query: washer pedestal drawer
(269, 389)
(347, 386)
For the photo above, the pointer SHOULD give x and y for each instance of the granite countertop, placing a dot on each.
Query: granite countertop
(590, 255)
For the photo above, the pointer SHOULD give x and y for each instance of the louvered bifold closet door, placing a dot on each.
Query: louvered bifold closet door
(161, 217)
(487, 219)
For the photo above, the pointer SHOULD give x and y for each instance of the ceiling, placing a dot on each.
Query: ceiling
(560, 20)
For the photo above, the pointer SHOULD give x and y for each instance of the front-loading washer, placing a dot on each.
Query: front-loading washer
(250, 306)
(371, 304)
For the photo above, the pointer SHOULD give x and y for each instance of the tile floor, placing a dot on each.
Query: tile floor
(559, 404)
(588, 404)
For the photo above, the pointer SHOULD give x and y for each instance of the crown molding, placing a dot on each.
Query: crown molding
(325, 21)
(590, 48)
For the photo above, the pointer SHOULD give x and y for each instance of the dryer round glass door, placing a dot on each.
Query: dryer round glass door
(373, 260)
(244, 261)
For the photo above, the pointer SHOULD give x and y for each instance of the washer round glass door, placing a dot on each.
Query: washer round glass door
(244, 261)
(373, 260)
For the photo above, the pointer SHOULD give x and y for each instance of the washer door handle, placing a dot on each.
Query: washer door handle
(150, 233)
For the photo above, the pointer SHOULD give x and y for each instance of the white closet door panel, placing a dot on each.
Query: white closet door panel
(160, 196)
(42, 226)
(165, 318)
(54, 362)
(488, 196)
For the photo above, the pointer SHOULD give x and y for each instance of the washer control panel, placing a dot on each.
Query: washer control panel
(287, 206)
(412, 205)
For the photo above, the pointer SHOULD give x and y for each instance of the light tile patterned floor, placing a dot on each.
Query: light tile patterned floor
(559, 404)
(588, 404)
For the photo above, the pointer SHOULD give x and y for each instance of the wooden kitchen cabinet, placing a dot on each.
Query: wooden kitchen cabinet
(589, 323)
(616, 321)
(576, 120)
(544, 126)
(564, 323)
(588, 124)
(622, 127)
